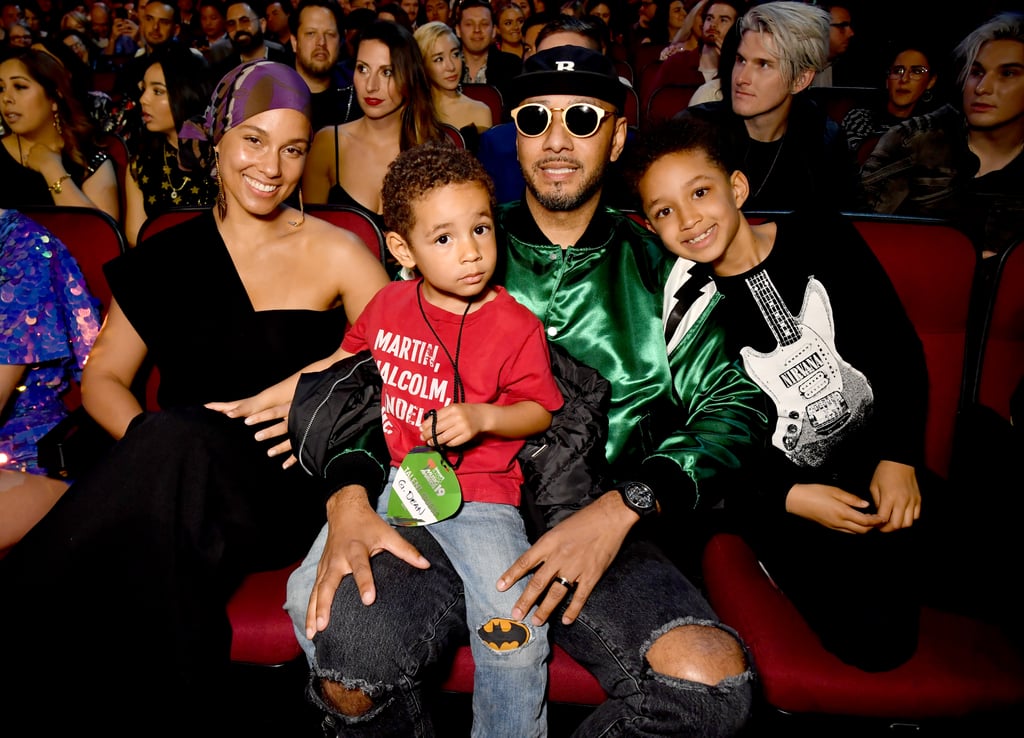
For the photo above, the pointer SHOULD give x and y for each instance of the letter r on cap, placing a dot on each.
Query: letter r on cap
(565, 66)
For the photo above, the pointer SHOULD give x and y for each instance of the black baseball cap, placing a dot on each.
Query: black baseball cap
(569, 70)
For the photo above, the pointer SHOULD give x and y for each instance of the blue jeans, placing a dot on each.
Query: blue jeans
(640, 597)
(510, 679)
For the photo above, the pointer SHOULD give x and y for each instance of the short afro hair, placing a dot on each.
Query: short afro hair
(420, 170)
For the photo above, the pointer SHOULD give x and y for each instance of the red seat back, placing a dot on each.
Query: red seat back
(1002, 350)
(92, 237)
(490, 95)
(932, 267)
(666, 101)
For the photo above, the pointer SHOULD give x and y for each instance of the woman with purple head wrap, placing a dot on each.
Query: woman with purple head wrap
(114, 614)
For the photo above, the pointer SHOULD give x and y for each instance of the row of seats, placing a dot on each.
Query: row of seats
(973, 333)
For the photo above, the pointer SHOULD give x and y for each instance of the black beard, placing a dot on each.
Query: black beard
(565, 202)
(245, 42)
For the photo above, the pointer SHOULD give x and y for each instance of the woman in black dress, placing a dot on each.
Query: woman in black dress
(114, 612)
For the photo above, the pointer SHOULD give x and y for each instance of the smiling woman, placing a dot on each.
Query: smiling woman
(188, 501)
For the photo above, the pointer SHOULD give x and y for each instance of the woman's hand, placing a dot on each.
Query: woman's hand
(260, 409)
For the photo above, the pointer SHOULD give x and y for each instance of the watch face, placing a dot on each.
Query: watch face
(639, 495)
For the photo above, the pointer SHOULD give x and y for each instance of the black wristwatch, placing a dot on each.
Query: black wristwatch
(639, 498)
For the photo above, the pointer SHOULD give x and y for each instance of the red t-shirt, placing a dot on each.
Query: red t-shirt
(503, 360)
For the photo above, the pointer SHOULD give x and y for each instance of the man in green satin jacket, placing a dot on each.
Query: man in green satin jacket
(681, 424)
(681, 419)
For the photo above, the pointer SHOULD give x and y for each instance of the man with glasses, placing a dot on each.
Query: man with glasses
(246, 30)
(965, 160)
(601, 575)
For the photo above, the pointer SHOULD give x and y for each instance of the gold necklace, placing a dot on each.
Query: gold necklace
(168, 184)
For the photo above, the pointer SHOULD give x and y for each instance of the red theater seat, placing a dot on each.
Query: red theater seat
(962, 667)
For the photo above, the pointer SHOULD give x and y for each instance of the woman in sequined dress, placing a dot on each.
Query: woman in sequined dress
(48, 323)
(175, 87)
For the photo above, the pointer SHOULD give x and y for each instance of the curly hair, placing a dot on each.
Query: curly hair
(418, 171)
(683, 134)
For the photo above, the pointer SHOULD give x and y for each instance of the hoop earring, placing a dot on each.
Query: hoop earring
(927, 96)
(302, 212)
(222, 202)
(57, 125)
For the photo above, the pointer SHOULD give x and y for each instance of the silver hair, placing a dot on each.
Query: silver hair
(800, 33)
(1004, 26)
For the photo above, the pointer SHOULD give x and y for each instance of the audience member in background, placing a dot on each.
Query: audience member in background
(316, 41)
(158, 26)
(840, 34)
(17, 35)
(49, 156)
(790, 151)
(99, 28)
(213, 39)
(393, 12)
(176, 87)
(531, 27)
(437, 10)
(246, 29)
(276, 15)
(75, 20)
(608, 12)
(50, 323)
(442, 55)
(187, 502)
(510, 28)
(34, 18)
(825, 509)
(98, 105)
(643, 30)
(74, 41)
(356, 20)
(964, 161)
(704, 60)
(910, 89)
(483, 61)
(681, 29)
(190, 27)
(347, 162)
(10, 11)
(412, 9)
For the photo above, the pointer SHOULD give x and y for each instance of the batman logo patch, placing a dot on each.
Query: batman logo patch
(502, 634)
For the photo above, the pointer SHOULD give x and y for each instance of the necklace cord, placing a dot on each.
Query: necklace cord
(458, 390)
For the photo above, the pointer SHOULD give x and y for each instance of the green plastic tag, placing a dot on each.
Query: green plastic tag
(425, 489)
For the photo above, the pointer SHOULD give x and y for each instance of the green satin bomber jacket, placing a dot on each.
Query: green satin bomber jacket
(683, 424)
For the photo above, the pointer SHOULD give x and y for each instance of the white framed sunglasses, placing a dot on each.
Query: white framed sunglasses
(580, 119)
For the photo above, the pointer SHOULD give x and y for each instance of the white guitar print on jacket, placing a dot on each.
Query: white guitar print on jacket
(816, 393)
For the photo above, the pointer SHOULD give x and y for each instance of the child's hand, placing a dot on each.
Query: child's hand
(832, 507)
(896, 494)
(256, 410)
(456, 424)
